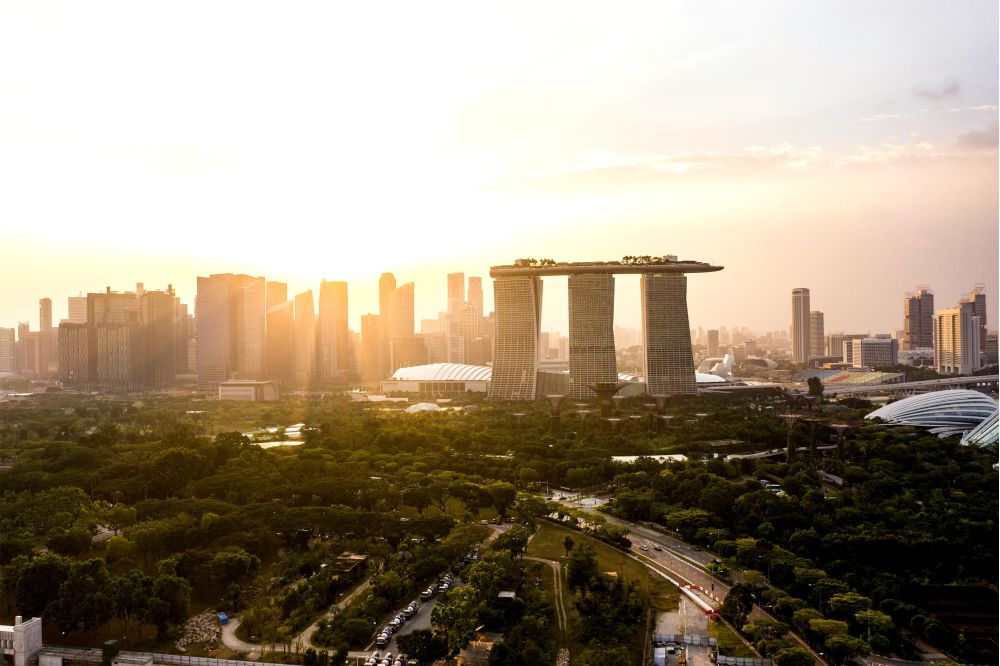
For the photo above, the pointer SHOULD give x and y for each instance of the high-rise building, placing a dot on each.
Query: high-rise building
(801, 338)
(277, 293)
(45, 315)
(73, 356)
(8, 366)
(713, 342)
(332, 338)
(456, 291)
(518, 303)
(386, 285)
(874, 352)
(668, 364)
(399, 327)
(230, 325)
(115, 344)
(77, 309)
(918, 319)
(371, 348)
(158, 316)
(475, 298)
(835, 344)
(305, 338)
(816, 340)
(591, 332)
(990, 357)
(281, 342)
(956, 339)
(978, 299)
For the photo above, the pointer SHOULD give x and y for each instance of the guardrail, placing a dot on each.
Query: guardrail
(723, 660)
(686, 639)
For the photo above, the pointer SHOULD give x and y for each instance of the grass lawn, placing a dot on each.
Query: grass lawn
(658, 594)
(729, 643)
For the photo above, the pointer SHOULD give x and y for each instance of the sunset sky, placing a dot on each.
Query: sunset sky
(848, 147)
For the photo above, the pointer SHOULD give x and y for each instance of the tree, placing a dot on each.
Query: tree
(39, 581)
(827, 628)
(582, 566)
(129, 595)
(357, 631)
(842, 648)
(875, 621)
(502, 496)
(423, 646)
(815, 386)
(847, 604)
(760, 630)
(454, 618)
(169, 605)
(83, 601)
(738, 604)
(794, 656)
(568, 544)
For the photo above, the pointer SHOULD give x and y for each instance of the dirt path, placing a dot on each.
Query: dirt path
(556, 589)
(305, 638)
(229, 639)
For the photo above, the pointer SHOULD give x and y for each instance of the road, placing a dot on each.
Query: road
(686, 563)
(557, 594)
(305, 638)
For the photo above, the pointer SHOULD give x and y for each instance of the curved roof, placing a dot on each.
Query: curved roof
(444, 372)
(422, 407)
(985, 433)
(950, 412)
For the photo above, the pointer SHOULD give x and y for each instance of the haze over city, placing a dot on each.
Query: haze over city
(330, 142)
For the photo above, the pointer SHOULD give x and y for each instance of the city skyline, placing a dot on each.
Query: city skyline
(678, 129)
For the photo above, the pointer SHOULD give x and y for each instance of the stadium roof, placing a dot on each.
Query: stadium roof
(950, 412)
(444, 372)
(985, 433)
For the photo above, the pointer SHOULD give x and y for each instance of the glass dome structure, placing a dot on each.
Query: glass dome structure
(984, 433)
(944, 413)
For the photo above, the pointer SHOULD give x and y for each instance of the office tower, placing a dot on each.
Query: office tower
(250, 326)
(8, 365)
(386, 285)
(115, 344)
(21, 346)
(281, 342)
(479, 351)
(713, 343)
(332, 345)
(801, 338)
(45, 315)
(399, 328)
(456, 291)
(518, 303)
(475, 298)
(157, 314)
(73, 356)
(990, 357)
(431, 325)
(435, 346)
(816, 340)
(835, 344)
(77, 309)
(591, 332)
(215, 319)
(978, 298)
(918, 319)
(371, 348)
(874, 352)
(956, 339)
(668, 365)
(183, 338)
(277, 293)
(305, 338)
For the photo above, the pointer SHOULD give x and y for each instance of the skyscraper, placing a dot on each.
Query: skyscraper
(277, 293)
(978, 298)
(405, 349)
(918, 319)
(158, 316)
(77, 309)
(115, 344)
(332, 346)
(713, 343)
(591, 332)
(456, 291)
(7, 357)
(230, 324)
(668, 365)
(475, 298)
(371, 348)
(386, 285)
(281, 342)
(956, 339)
(305, 338)
(518, 303)
(801, 338)
(73, 356)
(816, 338)
(45, 315)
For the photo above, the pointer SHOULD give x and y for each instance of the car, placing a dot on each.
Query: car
(671, 648)
(657, 548)
(644, 548)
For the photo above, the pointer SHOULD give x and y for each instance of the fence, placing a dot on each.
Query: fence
(686, 639)
(91, 655)
(723, 660)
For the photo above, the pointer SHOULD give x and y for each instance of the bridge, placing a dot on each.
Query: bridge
(986, 383)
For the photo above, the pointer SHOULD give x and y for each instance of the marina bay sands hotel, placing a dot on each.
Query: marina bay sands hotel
(668, 365)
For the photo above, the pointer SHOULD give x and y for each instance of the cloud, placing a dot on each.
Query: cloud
(880, 117)
(936, 93)
(983, 107)
(984, 139)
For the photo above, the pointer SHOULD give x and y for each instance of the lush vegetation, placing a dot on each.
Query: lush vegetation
(108, 500)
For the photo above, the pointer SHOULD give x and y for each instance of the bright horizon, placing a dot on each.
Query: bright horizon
(845, 147)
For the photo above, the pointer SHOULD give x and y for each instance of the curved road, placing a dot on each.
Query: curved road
(686, 562)
(556, 589)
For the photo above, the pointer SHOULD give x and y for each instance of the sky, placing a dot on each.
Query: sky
(847, 147)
